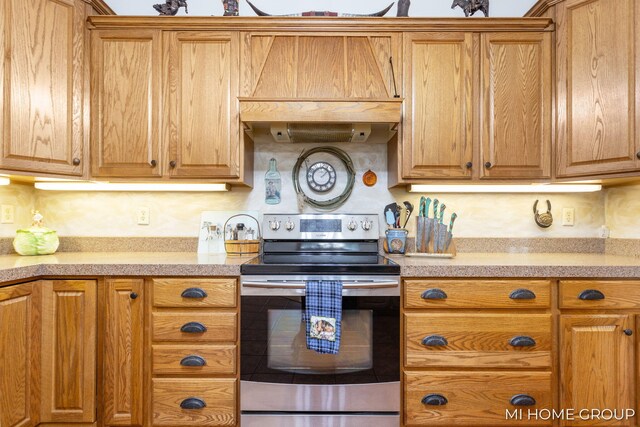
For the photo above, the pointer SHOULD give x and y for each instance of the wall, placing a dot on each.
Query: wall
(22, 197)
(622, 209)
(178, 214)
(419, 8)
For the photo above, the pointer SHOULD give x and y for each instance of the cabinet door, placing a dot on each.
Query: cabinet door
(68, 351)
(41, 85)
(598, 59)
(437, 125)
(516, 105)
(125, 103)
(201, 100)
(20, 355)
(596, 362)
(122, 352)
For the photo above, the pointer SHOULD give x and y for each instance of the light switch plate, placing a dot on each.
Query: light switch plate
(143, 216)
(7, 214)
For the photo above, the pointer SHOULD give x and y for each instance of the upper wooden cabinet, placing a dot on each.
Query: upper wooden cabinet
(477, 105)
(126, 79)
(598, 57)
(202, 131)
(42, 86)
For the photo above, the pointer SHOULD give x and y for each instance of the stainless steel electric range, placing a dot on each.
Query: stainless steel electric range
(285, 384)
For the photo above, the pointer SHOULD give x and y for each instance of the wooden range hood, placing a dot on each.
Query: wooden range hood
(311, 82)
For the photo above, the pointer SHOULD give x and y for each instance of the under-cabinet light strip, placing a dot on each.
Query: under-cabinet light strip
(535, 188)
(4, 180)
(116, 186)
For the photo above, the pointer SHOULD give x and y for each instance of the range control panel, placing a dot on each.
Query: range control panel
(320, 227)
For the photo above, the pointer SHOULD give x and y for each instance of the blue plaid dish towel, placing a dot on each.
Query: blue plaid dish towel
(323, 315)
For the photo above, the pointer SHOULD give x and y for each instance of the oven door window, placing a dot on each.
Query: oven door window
(287, 346)
(274, 350)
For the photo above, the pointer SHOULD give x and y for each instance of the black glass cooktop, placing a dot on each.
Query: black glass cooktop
(275, 264)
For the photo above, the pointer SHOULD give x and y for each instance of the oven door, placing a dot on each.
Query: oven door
(279, 373)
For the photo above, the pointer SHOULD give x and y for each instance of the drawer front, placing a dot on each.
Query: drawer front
(194, 292)
(217, 326)
(477, 340)
(194, 359)
(601, 294)
(219, 396)
(440, 294)
(475, 398)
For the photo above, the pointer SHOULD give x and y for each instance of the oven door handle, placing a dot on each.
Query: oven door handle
(285, 284)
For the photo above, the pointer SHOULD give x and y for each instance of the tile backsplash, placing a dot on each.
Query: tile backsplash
(178, 214)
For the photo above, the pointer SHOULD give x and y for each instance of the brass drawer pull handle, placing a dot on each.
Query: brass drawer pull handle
(434, 400)
(522, 294)
(522, 400)
(193, 360)
(193, 328)
(195, 293)
(193, 403)
(434, 293)
(522, 341)
(591, 294)
(435, 341)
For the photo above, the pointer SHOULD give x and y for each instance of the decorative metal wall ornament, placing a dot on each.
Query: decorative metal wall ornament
(403, 7)
(171, 7)
(315, 13)
(472, 6)
(230, 7)
(544, 219)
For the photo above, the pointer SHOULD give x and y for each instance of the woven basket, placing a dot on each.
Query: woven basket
(242, 247)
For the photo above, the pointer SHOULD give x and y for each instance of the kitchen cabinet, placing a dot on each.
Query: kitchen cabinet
(477, 105)
(42, 86)
(598, 107)
(126, 81)
(123, 351)
(20, 330)
(475, 348)
(598, 346)
(202, 130)
(68, 374)
(194, 347)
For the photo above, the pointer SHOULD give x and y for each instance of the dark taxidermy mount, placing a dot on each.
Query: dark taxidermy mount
(314, 13)
(230, 7)
(472, 6)
(403, 7)
(171, 7)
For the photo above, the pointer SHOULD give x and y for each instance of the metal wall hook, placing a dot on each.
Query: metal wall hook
(544, 219)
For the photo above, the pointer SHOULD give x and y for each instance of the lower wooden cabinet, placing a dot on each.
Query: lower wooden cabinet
(20, 327)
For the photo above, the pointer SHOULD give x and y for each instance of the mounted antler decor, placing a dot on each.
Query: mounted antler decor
(171, 7)
(472, 6)
(315, 13)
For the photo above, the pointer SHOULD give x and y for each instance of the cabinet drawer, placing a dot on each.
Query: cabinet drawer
(440, 294)
(194, 292)
(174, 326)
(194, 359)
(477, 340)
(590, 294)
(219, 396)
(475, 398)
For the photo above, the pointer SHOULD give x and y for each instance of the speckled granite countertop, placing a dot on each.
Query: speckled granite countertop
(15, 268)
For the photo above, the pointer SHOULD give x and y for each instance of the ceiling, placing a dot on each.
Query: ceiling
(419, 8)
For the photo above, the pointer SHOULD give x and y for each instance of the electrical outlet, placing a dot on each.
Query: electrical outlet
(568, 216)
(7, 214)
(143, 216)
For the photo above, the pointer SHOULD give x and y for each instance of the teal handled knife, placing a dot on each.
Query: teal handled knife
(426, 207)
(435, 209)
(442, 208)
(450, 233)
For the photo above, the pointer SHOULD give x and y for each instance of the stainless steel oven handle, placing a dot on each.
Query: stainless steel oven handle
(286, 284)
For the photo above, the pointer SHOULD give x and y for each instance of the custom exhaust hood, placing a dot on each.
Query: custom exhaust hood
(321, 88)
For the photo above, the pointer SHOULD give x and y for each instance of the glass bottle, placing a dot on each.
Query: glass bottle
(272, 184)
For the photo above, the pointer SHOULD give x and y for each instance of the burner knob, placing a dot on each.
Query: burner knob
(274, 225)
(289, 225)
(366, 225)
(352, 225)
